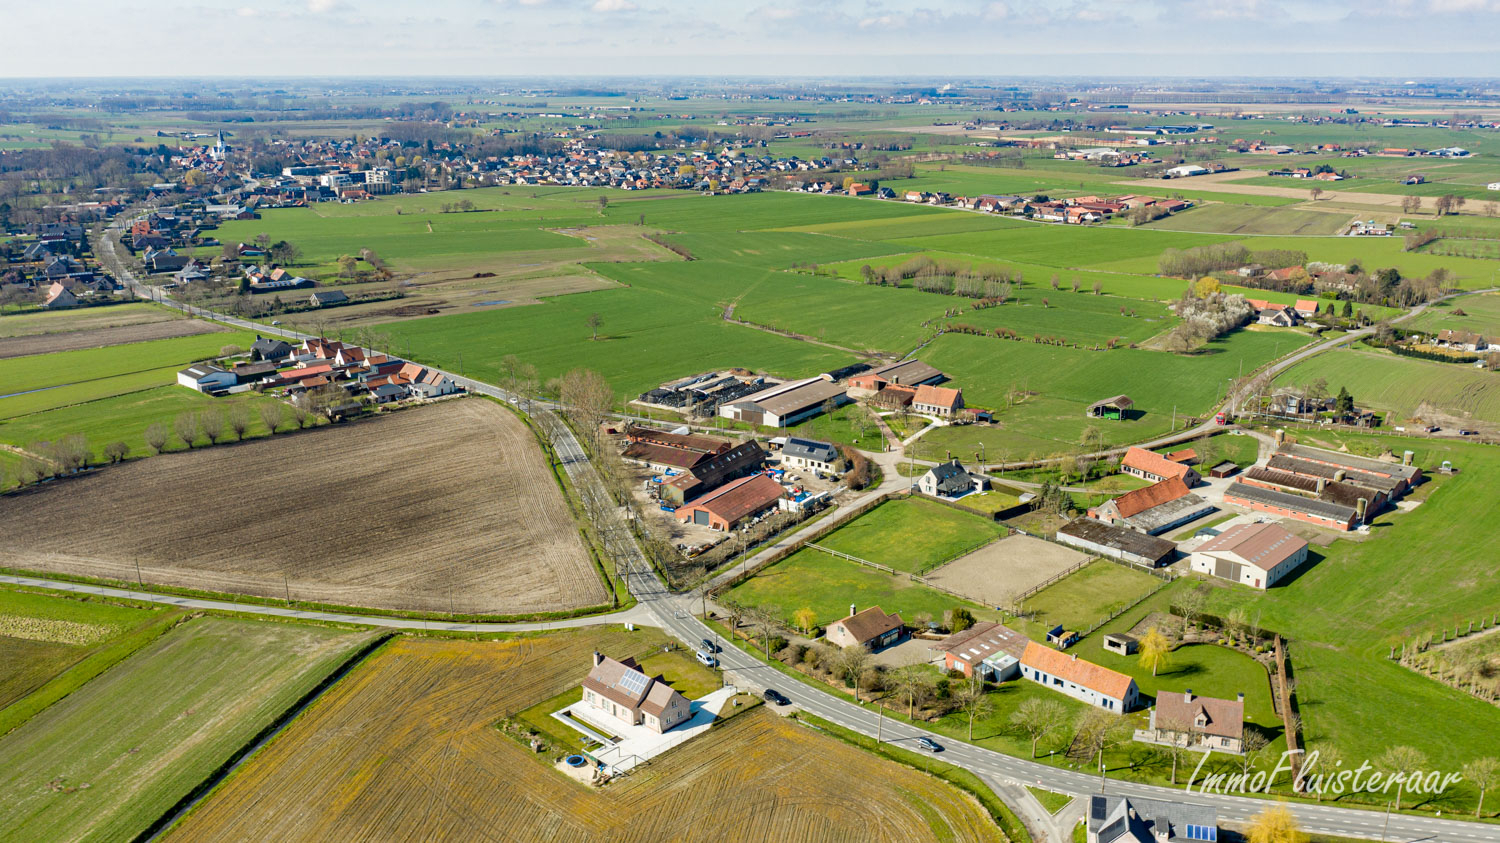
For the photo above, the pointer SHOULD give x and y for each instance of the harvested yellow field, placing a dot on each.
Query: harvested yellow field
(350, 769)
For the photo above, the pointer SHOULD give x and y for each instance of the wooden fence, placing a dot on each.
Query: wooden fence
(842, 555)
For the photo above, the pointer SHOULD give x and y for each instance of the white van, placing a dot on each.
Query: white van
(707, 660)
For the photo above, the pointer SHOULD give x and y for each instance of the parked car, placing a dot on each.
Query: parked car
(929, 744)
(707, 660)
(775, 697)
(710, 646)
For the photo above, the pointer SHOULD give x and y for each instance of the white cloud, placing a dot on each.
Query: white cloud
(777, 12)
(997, 11)
(320, 6)
(245, 12)
(613, 6)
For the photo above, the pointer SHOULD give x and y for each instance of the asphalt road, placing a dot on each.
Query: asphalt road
(674, 613)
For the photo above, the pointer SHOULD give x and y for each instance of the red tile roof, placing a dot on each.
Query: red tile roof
(1153, 463)
(1140, 500)
(937, 396)
(1078, 671)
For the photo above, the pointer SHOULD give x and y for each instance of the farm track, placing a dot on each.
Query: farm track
(437, 509)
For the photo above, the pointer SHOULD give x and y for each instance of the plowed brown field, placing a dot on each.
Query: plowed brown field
(100, 337)
(443, 508)
(405, 749)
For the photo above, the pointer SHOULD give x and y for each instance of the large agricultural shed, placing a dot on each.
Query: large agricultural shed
(786, 403)
(1116, 542)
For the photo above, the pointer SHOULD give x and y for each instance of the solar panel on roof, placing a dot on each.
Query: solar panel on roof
(1099, 811)
(634, 682)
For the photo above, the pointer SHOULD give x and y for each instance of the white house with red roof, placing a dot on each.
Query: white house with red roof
(1149, 465)
(1079, 678)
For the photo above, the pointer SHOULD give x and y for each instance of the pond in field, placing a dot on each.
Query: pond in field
(494, 301)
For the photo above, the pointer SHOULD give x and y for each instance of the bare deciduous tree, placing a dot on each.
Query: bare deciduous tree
(211, 422)
(156, 437)
(239, 420)
(116, 451)
(271, 414)
(186, 426)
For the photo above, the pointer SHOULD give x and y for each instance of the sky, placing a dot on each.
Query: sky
(930, 38)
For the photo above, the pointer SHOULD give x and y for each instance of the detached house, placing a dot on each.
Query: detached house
(206, 377)
(620, 690)
(939, 401)
(1117, 819)
(992, 650)
(871, 628)
(1153, 509)
(1197, 723)
(951, 480)
(812, 454)
(59, 297)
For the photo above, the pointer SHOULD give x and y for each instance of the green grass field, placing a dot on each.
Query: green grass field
(1402, 384)
(1222, 218)
(911, 534)
(827, 585)
(1480, 314)
(111, 758)
(1085, 597)
(41, 636)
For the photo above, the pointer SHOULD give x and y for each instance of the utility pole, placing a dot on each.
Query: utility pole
(287, 584)
(138, 573)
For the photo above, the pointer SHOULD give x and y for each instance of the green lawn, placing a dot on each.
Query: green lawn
(1051, 800)
(827, 585)
(111, 758)
(682, 671)
(912, 534)
(1085, 597)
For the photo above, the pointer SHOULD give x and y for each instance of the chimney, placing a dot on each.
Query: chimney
(1338, 476)
(598, 659)
(1187, 696)
(851, 608)
(1321, 483)
(1407, 457)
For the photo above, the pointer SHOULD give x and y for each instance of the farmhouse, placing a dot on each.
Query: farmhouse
(1197, 723)
(1278, 315)
(59, 297)
(1257, 555)
(1460, 340)
(1321, 513)
(951, 480)
(871, 629)
(661, 451)
(323, 298)
(1110, 408)
(265, 348)
(910, 373)
(786, 403)
(992, 649)
(724, 508)
(1153, 509)
(1149, 465)
(1306, 308)
(1118, 819)
(812, 454)
(1079, 679)
(206, 377)
(714, 472)
(620, 690)
(1121, 543)
(937, 401)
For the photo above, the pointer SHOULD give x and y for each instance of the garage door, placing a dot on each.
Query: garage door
(701, 517)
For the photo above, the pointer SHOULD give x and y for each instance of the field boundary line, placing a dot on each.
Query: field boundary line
(842, 555)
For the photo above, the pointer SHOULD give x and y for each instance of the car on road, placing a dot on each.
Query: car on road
(929, 744)
(710, 646)
(707, 660)
(775, 697)
(275, 323)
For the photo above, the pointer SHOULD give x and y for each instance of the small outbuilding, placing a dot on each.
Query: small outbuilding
(1110, 408)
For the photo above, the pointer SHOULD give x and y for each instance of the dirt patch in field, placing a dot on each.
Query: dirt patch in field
(996, 573)
(1227, 183)
(348, 770)
(443, 508)
(101, 337)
